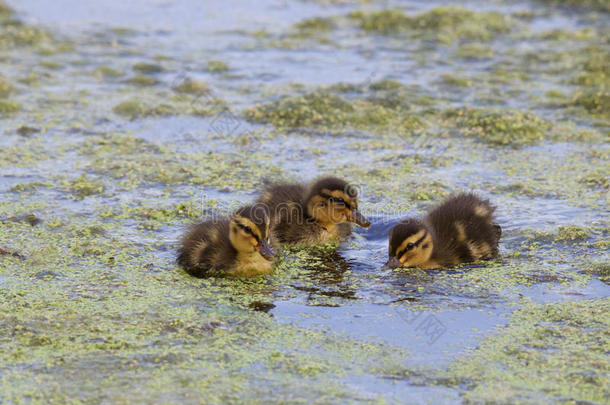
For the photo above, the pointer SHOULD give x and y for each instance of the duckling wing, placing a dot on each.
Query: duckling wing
(287, 210)
(464, 229)
(205, 247)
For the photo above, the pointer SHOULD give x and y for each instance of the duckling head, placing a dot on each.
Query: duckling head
(411, 244)
(249, 231)
(331, 200)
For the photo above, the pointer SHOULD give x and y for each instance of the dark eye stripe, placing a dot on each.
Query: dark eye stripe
(337, 200)
(415, 244)
(247, 229)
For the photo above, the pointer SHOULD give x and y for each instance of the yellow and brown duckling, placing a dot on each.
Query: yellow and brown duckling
(318, 212)
(460, 230)
(237, 247)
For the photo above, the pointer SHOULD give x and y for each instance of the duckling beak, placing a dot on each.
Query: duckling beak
(358, 218)
(393, 263)
(266, 251)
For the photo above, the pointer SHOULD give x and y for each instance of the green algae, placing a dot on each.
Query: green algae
(93, 315)
(49, 64)
(474, 51)
(142, 80)
(83, 187)
(595, 102)
(144, 67)
(601, 5)
(130, 108)
(217, 66)
(108, 72)
(13, 33)
(311, 110)
(386, 85)
(135, 162)
(563, 35)
(444, 24)
(388, 105)
(512, 128)
(30, 186)
(9, 107)
(452, 80)
(596, 179)
(547, 353)
(190, 86)
(316, 24)
(571, 233)
(602, 270)
(6, 88)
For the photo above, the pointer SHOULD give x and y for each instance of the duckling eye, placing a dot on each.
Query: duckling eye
(410, 246)
(248, 229)
(337, 200)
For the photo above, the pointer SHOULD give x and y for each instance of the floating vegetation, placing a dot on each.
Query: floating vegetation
(497, 127)
(13, 33)
(108, 72)
(596, 179)
(5, 88)
(130, 108)
(314, 27)
(547, 352)
(601, 5)
(390, 104)
(142, 80)
(596, 102)
(9, 107)
(455, 81)
(444, 24)
(147, 68)
(190, 86)
(83, 186)
(217, 66)
(311, 110)
(571, 233)
(474, 51)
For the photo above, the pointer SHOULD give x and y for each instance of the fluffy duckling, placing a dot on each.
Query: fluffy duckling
(236, 246)
(312, 213)
(460, 230)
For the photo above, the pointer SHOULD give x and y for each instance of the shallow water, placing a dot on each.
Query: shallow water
(99, 298)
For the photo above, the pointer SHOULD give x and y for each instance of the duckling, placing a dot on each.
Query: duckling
(312, 213)
(236, 246)
(460, 230)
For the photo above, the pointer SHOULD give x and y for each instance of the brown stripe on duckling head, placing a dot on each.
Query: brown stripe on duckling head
(331, 183)
(407, 231)
(412, 242)
(339, 197)
(256, 217)
(248, 227)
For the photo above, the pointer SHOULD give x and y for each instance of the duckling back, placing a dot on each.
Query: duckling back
(464, 230)
(206, 247)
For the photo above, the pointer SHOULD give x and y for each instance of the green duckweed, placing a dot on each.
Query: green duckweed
(9, 107)
(444, 24)
(217, 66)
(147, 67)
(547, 353)
(512, 128)
(190, 86)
